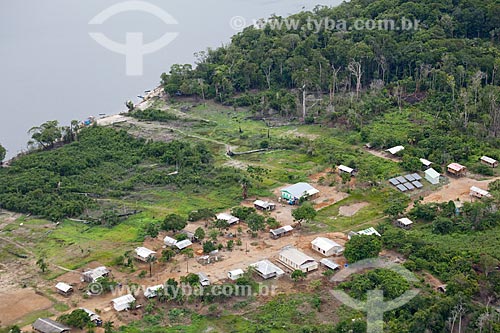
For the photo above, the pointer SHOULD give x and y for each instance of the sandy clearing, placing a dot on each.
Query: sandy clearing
(17, 304)
(457, 190)
(114, 119)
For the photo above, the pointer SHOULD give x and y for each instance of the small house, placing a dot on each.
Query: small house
(123, 303)
(204, 280)
(432, 176)
(152, 292)
(404, 223)
(189, 234)
(277, 233)
(64, 288)
(94, 274)
(94, 317)
(297, 260)
(489, 161)
(230, 219)
(345, 169)
(425, 162)
(327, 247)
(169, 241)
(457, 169)
(235, 274)
(144, 254)
(299, 191)
(46, 325)
(329, 264)
(366, 232)
(479, 192)
(264, 205)
(183, 244)
(267, 270)
(395, 150)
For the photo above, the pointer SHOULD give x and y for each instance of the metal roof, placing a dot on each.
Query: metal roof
(480, 191)
(395, 150)
(152, 291)
(169, 241)
(144, 252)
(265, 268)
(281, 230)
(64, 287)
(296, 256)
(263, 204)
(47, 325)
(432, 173)
(96, 273)
(425, 162)
(368, 232)
(488, 160)
(345, 169)
(183, 244)
(227, 217)
(405, 221)
(456, 167)
(300, 189)
(123, 302)
(330, 263)
(325, 243)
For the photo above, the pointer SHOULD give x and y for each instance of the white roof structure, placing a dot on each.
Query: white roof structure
(456, 167)
(235, 273)
(144, 252)
(228, 217)
(169, 241)
(329, 263)
(432, 173)
(263, 204)
(204, 280)
(97, 273)
(183, 244)
(296, 256)
(266, 268)
(281, 230)
(123, 302)
(325, 244)
(405, 221)
(488, 160)
(367, 232)
(345, 169)
(64, 287)
(152, 291)
(47, 325)
(395, 150)
(480, 191)
(300, 189)
(425, 162)
(93, 316)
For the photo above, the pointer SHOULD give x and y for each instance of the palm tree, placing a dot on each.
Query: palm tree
(108, 327)
(150, 261)
(42, 264)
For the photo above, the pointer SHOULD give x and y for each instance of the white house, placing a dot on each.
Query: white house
(123, 303)
(432, 176)
(267, 269)
(489, 161)
(326, 247)
(94, 317)
(204, 280)
(235, 274)
(346, 169)
(228, 217)
(143, 253)
(264, 205)
(299, 191)
(277, 233)
(181, 245)
(64, 288)
(479, 192)
(404, 223)
(169, 241)
(395, 150)
(151, 292)
(297, 260)
(94, 274)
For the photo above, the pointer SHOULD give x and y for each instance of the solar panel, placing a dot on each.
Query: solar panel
(416, 176)
(402, 188)
(394, 181)
(409, 186)
(401, 179)
(417, 184)
(410, 178)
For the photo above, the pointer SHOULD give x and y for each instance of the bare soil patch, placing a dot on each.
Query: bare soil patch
(18, 303)
(457, 190)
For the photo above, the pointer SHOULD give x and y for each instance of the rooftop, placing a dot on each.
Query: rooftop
(325, 243)
(298, 190)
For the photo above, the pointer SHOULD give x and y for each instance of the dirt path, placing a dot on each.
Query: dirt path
(382, 155)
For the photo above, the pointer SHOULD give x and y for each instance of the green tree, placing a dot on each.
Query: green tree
(298, 275)
(256, 222)
(361, 247)
(208, 247)
(78, 319)
(199, 233)
(152, 229)
(174, 222)
(305, 213)
(46, 134)
(221, 224)
(3, 152)
(42, 264)
(167, 254)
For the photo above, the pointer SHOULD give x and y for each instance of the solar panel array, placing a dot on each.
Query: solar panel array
(409, 182)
